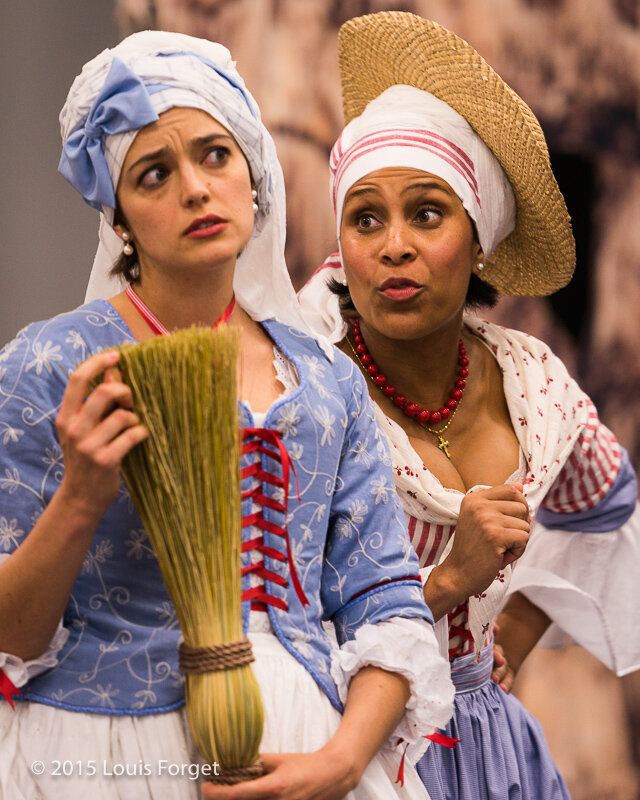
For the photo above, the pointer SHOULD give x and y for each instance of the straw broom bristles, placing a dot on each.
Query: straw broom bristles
(184, 480)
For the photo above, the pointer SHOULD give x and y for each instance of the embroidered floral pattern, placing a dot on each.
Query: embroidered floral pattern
(344, 521)
(9, 433)
(9, 534)
(45, 356)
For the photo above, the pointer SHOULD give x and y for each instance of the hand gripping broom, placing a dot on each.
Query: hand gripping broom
(185, 482)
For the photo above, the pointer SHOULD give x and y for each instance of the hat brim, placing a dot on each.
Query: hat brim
(377, 51)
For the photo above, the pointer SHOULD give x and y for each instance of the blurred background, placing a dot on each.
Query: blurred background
(577, 64)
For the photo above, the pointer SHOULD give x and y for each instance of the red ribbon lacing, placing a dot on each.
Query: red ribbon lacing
(7, 689)
(256, 440)
(458, 630)
(438, 738)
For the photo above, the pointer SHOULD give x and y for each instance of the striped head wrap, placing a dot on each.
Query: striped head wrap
(408, 127)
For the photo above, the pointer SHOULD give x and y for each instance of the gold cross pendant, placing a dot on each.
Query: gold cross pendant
(443, 444)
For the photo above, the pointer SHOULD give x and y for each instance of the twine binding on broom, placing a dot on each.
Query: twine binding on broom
(227, 655)
(233, 776)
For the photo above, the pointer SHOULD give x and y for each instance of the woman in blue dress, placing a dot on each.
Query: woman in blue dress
(161, 135)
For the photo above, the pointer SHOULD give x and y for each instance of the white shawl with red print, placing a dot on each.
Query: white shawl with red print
(585, 582)
(549, 413)
(571, 461)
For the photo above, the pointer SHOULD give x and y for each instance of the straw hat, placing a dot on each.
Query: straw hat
(380, 50)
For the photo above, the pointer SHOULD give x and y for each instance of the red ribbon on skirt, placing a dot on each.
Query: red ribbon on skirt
(7, 689)
(437, 738)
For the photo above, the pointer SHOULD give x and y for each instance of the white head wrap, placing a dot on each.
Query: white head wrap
(180, 70)
(408, 127)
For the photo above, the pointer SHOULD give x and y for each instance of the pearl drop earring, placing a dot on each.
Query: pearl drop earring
(254, 195)
(480, 266)
(128, 247)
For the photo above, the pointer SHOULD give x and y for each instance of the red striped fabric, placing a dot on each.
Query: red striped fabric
(426, 140)
(333, 262)
(429, 541)
(590, 471)
(437, 540)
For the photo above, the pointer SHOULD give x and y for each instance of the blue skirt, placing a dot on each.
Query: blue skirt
(502, 753)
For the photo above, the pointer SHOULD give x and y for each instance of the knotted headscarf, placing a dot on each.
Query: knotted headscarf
(127, 87)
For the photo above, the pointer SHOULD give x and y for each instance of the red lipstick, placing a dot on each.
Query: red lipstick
(200, 228)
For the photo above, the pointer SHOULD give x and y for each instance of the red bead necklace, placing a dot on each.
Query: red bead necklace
(421, 415)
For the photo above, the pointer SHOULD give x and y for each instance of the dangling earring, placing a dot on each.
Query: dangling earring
(479, 266)
(128, 248)
(254, 195)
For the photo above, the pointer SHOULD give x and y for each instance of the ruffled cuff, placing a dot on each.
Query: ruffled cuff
(409, 647)
(20, 672)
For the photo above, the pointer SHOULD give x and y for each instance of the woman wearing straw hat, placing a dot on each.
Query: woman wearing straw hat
(445, 198)
(161, 135)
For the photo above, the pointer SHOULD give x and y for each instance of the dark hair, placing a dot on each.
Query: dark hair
(127, 267)
(479, 295)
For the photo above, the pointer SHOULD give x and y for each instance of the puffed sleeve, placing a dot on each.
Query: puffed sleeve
(583, 558)
(31, 385)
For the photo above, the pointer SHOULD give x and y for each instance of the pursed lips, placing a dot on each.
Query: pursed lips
(205, 226)
(399, 288)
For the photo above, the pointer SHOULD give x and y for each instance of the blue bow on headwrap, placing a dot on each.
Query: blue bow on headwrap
(122, 105)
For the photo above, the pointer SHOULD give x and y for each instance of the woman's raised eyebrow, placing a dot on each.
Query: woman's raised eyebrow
(361, 191)
(199, 141)
(157, 154)
(427, 185)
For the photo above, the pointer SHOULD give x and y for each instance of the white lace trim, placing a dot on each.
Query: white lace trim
(286, 372)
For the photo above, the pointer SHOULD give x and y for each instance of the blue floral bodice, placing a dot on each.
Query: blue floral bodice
(347, 534)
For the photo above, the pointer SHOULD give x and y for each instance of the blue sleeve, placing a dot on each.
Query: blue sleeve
(31, 466)
(370, 570)
(609, 514)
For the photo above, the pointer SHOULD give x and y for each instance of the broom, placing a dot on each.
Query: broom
(185, 482)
